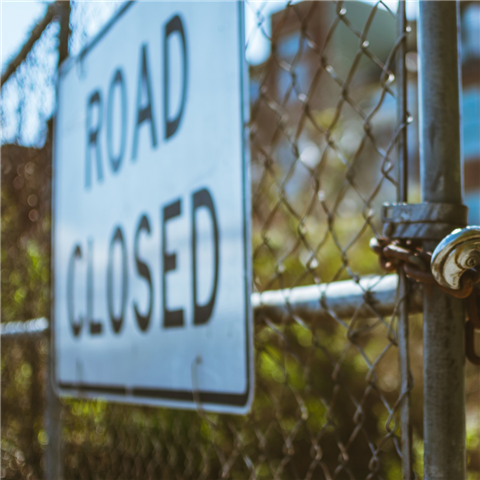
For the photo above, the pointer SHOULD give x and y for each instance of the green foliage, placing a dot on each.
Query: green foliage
(25, 279)
(25, 228)
(323, 395)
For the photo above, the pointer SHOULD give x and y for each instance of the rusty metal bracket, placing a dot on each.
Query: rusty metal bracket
(418, 265)
(422, 221)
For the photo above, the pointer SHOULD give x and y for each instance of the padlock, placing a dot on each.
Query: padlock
(456, 254)
(455, 259)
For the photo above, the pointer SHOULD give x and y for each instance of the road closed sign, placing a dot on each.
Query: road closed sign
(151, 211)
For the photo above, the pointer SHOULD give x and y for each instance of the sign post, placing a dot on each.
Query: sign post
(151, 234)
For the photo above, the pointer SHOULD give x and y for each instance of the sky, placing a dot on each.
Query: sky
(18, 18)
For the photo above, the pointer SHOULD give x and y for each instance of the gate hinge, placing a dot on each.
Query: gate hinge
(422, 221)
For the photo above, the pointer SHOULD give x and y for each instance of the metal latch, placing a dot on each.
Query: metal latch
(422, 221)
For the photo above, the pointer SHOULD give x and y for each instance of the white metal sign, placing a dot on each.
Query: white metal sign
(151, 211)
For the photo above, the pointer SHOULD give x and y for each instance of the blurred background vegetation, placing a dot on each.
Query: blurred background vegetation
(326, 391)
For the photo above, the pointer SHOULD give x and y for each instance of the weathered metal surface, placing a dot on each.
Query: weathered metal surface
(456, 254)
(425, 221)
(441, 182)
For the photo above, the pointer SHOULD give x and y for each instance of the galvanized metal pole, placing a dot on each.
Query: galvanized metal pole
(53, 427)
(53, 422)
(441, 182)
(402, 197)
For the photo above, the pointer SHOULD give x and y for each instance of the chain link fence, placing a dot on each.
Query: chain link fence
(324, 135)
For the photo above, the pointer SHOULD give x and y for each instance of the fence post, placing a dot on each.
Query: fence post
(53, 422)
(53, 426)
(402, 197)
(441, 182)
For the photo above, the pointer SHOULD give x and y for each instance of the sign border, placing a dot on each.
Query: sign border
(237, 403)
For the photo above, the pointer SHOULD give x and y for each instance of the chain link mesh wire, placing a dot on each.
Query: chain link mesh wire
(27, 103)
(323, 135)
(28, 97)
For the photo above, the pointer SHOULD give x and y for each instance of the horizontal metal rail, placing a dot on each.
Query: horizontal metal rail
(368, 297)
(30, 327)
